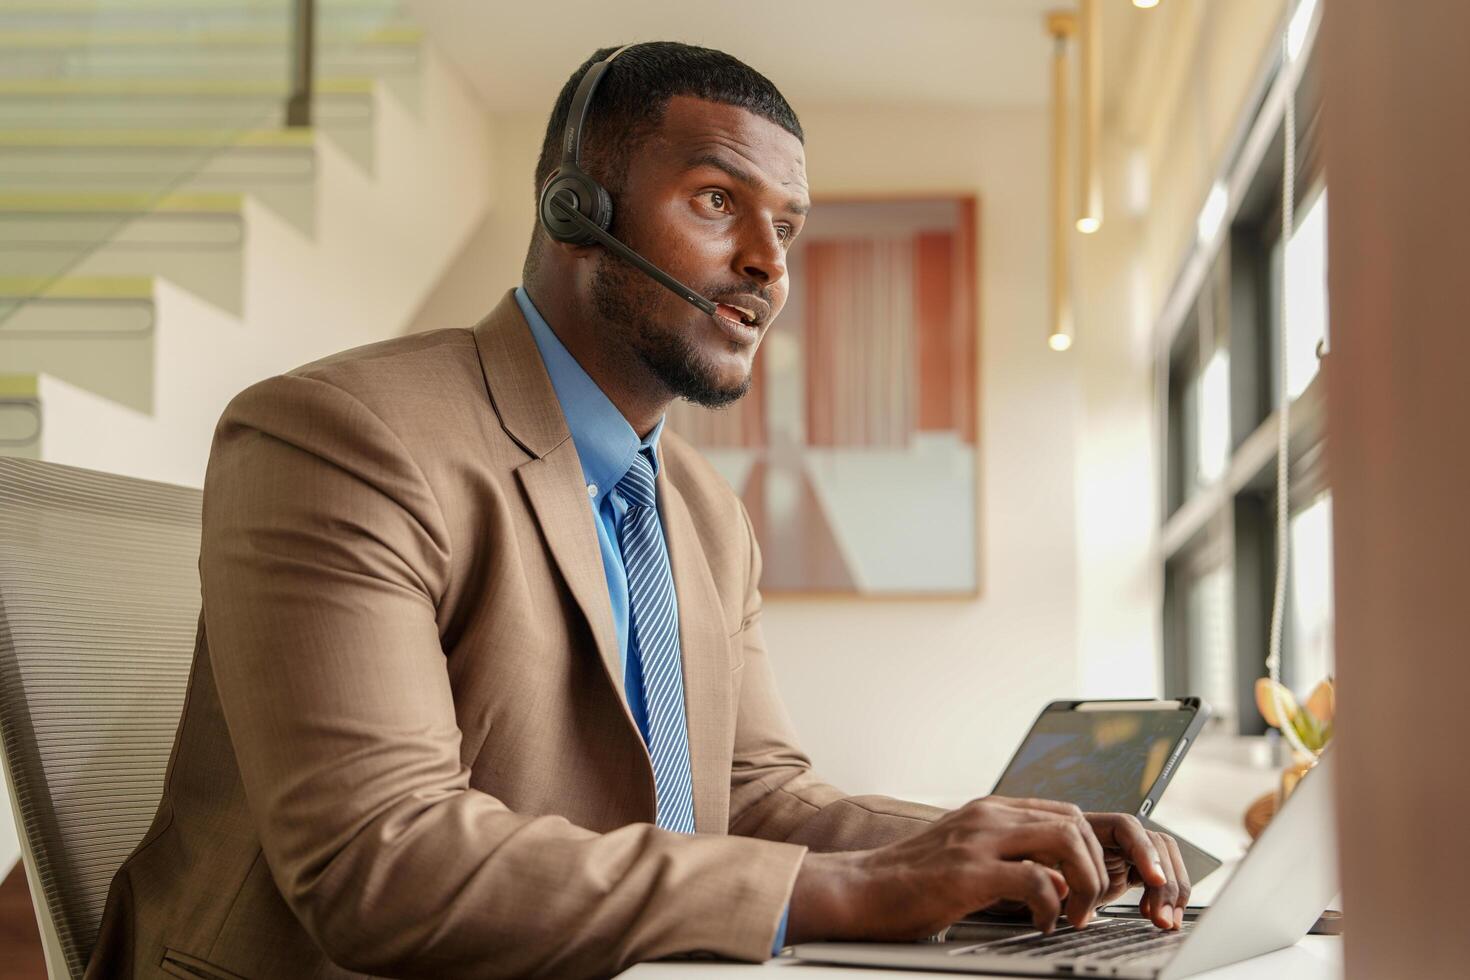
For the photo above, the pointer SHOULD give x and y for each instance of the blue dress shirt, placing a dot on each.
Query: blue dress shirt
(606, 445)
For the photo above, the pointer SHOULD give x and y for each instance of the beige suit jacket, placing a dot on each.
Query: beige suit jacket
(405, 749)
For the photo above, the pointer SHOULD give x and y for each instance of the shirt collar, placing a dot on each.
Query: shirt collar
(606, 443)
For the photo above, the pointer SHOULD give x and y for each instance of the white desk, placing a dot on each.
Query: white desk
(1205, 802)
(1314, 958)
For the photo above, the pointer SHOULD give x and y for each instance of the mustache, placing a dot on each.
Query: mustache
(763, 293)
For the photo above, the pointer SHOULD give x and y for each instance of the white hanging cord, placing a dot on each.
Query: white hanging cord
(1283, 415)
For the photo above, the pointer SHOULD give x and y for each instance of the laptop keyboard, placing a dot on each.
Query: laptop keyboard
(1103, 947)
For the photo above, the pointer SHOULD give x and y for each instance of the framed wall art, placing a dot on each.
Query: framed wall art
(856, 449)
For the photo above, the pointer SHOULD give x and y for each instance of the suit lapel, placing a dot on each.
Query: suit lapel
(526, 403)
(554, 485)
(704, 652)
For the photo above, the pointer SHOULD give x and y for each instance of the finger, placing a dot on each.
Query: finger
(1163, 896)
(1126, 834)
(1121, 876)
(1181, 877)
(1160, 896)
(1070, 811)
(1034, 809)
(1094, 846)
(1175, 860)
(1059, 843)
(1017, 810)
(1040, 888)
(1048, 806)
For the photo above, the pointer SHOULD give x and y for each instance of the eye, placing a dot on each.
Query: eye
(717, 199)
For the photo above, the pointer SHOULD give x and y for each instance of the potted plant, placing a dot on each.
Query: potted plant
(1307, 728)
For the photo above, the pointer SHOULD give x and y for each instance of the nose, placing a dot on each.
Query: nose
(761, 255)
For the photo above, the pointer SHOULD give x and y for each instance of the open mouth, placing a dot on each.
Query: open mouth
(739, 314)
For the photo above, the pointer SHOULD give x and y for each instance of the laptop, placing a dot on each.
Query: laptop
(1274, 896)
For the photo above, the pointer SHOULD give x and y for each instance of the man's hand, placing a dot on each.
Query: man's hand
(1048, 856)
(1137, 856)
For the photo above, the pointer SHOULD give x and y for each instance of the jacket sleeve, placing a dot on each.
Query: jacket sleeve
(323, 560)
(774, 794)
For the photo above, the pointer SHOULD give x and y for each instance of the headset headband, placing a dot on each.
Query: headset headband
(571, 147)
(576, 209)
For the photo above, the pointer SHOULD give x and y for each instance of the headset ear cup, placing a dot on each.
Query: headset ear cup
(604, 206)
(592, 200)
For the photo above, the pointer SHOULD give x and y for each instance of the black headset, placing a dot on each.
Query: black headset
(576, 209)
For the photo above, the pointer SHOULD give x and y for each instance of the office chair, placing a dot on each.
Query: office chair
(99, 602)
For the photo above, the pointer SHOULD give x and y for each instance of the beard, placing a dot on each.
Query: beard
(627, 300)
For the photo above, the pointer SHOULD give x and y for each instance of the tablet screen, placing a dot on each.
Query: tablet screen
(1100, 760)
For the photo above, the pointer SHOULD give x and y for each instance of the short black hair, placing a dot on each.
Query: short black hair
(634, 94)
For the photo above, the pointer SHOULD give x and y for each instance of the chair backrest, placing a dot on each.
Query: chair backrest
(99, 602)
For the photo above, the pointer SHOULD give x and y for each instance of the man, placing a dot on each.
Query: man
(480, 687)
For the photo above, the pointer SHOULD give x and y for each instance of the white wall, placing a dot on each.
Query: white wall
(490, 262)
(1119, 578)
(928, 698)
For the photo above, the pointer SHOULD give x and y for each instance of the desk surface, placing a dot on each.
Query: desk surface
(1205, 802)
(1314, 958)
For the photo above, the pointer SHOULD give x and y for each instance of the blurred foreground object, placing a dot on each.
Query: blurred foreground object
(1397, 402)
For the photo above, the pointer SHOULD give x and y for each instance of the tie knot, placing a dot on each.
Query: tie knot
(637, 485)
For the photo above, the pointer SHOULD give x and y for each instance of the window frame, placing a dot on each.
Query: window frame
(1232, 520)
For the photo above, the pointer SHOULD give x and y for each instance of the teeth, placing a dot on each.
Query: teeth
(745, 316)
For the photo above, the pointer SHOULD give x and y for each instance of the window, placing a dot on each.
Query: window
(1305, 281)
(1210, 659)
(1307, 638)
(1218, 537)
(1211, 395)
(1199, 398)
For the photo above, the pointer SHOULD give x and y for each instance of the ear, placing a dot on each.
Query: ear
(572, 252)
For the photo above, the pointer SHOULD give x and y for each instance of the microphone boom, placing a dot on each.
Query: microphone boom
(663, 278)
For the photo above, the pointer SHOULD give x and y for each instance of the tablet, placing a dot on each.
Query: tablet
(1104, 756)
(1110, 757)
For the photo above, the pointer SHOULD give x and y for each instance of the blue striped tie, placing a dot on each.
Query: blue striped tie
(654, 613)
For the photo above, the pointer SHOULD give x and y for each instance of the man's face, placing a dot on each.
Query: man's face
(714, 197)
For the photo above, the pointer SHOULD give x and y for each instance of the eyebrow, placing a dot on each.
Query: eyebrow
(745, 177)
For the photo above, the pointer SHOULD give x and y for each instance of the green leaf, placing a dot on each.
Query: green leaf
(1308, 729)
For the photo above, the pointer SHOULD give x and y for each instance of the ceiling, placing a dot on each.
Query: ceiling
(957, 53)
